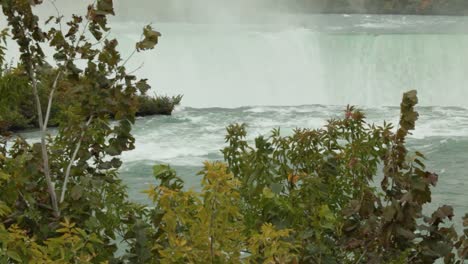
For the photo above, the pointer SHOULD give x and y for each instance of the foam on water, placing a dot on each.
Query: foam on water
(192, 134)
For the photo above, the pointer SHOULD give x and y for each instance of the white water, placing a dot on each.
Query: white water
(370, 62)
(306, 59)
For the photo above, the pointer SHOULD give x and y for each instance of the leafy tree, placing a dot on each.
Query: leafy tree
(72, 174)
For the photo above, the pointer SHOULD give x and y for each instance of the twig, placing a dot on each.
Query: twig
(362, 255)
(52, 2)
(137, 68)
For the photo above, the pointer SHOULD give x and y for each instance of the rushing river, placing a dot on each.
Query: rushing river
(303, 70)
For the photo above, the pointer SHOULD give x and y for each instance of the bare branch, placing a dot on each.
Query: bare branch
(52, 2)
(137, 68)
(51, 96)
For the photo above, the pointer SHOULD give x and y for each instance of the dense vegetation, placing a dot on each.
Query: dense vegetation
(17, 109)
(157, 105)
(304, 198)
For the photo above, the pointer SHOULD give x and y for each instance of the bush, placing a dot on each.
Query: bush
(17, 109)
(157, 105)
(15, 104)
(312, 198)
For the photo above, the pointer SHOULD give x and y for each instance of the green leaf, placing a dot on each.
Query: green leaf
(116, 163)
(406, 233)
(4, 176)
(14, 256)
(105, 7)
(268, 193)
(143, 86)
(76, 192)
(4, 209)
(105, 165)
(276, 188)
(160, 169)
(150, 40)
(389, 213)
(112, 150)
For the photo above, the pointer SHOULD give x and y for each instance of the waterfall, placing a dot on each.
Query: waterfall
(230, 66)
(291, 59)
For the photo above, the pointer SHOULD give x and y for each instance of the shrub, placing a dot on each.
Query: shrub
(15, 103)
(157, 105)
(312, 197)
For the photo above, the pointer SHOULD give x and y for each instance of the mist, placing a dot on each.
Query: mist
(193, 11)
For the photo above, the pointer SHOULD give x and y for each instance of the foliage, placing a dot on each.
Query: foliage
(312, 196)
(203, 228)
(269, 246)
(157, 105)
(17, 110)
(319, 184)
(72, 175)
(71, 244)
(16, 245)
(207, 227)
(308, 197)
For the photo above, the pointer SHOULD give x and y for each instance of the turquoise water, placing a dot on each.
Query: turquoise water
(193, 135)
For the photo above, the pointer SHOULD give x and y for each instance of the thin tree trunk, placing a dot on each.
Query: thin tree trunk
(45, 155)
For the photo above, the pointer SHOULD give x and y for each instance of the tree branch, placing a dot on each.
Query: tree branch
(51, 97)
(72, 160)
